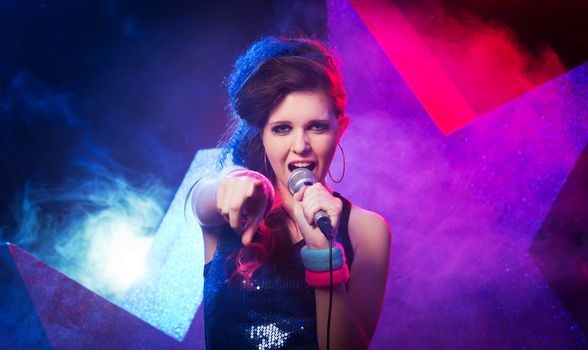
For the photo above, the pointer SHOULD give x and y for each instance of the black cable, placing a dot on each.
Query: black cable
(330, 291)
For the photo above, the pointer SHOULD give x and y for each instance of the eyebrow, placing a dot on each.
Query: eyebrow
(281, 122)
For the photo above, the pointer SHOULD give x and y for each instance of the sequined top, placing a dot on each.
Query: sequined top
(276, 311)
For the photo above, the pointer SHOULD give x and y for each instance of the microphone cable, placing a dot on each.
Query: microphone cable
(330, 291)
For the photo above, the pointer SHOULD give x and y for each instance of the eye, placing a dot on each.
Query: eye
(319, 127)
(281, 129)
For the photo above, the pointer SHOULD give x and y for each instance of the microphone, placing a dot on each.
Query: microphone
(299, 178)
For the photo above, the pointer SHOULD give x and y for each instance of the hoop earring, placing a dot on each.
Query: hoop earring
(343, 173)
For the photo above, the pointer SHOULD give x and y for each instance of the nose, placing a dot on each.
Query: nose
(300, 143)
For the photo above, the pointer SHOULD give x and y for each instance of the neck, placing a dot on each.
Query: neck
(285, 199)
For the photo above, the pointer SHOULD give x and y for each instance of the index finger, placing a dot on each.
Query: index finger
(251, 228)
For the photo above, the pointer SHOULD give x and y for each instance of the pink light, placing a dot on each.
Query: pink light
(416, 64)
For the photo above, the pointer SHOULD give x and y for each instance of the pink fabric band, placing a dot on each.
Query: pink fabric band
(322, 279)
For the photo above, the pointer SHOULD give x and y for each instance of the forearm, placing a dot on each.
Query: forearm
(346, 332)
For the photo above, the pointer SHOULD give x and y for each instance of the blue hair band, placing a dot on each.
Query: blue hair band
(317, 260)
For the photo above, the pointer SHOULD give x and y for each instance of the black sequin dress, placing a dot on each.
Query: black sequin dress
(277, 309)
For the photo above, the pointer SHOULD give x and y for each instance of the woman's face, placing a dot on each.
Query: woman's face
(301, 132)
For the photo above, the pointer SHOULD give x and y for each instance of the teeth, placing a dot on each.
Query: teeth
(307, 165)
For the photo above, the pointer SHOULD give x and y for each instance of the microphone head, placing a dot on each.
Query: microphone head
(299, 178)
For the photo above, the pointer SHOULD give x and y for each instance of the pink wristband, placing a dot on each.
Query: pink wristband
(268, 188)
(322, 279)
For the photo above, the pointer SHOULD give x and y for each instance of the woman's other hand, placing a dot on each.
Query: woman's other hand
(242, 201)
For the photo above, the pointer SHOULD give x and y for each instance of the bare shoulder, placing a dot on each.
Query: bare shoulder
(368, 228)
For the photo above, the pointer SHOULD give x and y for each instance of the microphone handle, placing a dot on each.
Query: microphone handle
(321, 219)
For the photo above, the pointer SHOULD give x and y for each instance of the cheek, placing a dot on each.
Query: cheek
(273, 159)
(328, 146)
(274, 150)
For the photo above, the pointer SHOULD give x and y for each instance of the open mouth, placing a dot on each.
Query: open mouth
(308, 165)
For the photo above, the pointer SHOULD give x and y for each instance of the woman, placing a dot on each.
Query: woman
(266, 261)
